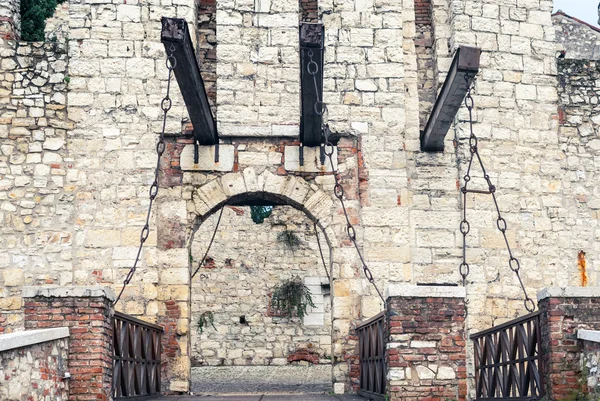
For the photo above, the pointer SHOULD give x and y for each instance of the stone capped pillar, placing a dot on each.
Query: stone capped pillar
(565, 311)
(87, 311)
(426, 349)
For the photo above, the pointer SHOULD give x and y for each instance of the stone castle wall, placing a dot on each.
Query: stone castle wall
(74, 184)
(245, 263)
(22, 379)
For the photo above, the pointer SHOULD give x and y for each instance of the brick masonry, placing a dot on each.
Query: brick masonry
(562, 352)
(90, 354)
(426, 350)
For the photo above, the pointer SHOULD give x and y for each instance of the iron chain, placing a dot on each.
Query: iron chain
(465, 227)
(165, 105)
(338, 191)
(320, 108)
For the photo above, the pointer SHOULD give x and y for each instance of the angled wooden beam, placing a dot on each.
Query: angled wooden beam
(176, 37)
(311, 82)
(463, 70)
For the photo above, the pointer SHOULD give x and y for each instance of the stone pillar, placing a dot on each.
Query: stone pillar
(426, 350)
(10, 21)
(87, 311)
(564, 311)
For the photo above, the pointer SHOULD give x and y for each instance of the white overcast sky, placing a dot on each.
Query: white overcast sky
(585, 10)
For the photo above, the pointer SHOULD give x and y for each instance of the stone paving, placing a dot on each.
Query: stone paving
(310, 379)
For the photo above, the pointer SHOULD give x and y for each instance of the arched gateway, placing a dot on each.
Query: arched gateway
(176, 265)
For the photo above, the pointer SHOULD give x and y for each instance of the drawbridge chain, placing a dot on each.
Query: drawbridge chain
(465, 227)
(327, 149)
(165, 105)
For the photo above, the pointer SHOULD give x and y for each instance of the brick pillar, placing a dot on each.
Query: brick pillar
(426, 343)
(564, 311)
(87, 311)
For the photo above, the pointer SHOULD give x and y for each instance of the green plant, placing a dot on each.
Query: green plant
(260, 213)
(289, 238)
(33, 17)
(291, 298)
(67, 79)
(205, 319)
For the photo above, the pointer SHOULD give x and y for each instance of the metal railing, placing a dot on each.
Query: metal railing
(371, 345)
(508, 363)
(136, 357)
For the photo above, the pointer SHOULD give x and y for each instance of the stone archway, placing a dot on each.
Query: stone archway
(203, 200)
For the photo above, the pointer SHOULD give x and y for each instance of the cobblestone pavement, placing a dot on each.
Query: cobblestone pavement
(262, 397)
(310, 379)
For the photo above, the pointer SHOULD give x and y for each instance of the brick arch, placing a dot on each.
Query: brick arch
(247, 187)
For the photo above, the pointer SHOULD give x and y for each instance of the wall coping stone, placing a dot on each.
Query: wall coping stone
(22, 339)
(69, 292)
(424, 291)
(568, 292)
(589, 335)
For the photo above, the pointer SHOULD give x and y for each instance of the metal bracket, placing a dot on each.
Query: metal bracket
(217, 152)
(196, 153)
(322, 154)
(301, 154)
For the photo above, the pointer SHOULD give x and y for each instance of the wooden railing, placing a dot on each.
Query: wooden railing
(136, 357)
(371, 345)
(508, 364)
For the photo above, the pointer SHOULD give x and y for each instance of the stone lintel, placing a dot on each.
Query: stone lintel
(312, 160)
(22, 339)
(424, 291)
(589, 335)
(206, 158)
(568, 292)
(69, 292)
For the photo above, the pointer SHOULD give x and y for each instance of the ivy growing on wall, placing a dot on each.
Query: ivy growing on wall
(33, 18)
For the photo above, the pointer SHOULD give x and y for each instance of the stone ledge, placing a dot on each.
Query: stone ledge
(206, 158)
(22, 339)
(589, 335)
(568, 292)
(66, 292)
(424, 291)
(312, 160)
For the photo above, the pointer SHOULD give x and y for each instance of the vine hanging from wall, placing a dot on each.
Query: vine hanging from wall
(292, 298)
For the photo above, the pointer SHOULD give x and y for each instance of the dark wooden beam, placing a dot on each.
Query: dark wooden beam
(463, 70)
(176, 37)
(311, 82)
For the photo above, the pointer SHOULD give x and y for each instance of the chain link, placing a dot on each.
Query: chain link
(321, 252)
(465, 227)
(320, 108)
(165, 105)
(338, 191)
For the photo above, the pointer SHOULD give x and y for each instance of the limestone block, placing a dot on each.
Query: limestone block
(53, 143)
(103, 238)
(296, 189)
(129, 13)
(250, 179)
(312, 160)
(252, 159)
(10, 303)
(233, 184)
(273, 183)
(425, 373)
(319, 204)
(445, 373)
(211, 193)
(174, 276)
(179, 385)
